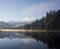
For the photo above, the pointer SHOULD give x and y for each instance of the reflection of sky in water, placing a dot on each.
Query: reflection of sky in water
(19, 41)
(22, 43)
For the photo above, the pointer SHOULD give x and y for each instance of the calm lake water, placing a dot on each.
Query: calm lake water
(11, 40)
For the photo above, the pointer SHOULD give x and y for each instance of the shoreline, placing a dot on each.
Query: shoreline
(24, 30)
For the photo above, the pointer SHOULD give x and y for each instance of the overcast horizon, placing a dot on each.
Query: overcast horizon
(26, 10)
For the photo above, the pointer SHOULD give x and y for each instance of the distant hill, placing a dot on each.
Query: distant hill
(12, 24)
(4, 25)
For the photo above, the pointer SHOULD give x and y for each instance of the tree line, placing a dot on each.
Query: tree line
(51, 21)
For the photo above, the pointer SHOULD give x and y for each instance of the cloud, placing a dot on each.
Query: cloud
(27, 19)
(27, 41)
(37, 10)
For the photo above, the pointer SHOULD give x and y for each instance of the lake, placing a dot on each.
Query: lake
(12, 40)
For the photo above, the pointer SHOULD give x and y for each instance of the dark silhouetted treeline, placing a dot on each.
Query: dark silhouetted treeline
(50, 21)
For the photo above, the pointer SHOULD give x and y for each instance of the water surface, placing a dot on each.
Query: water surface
(13, 40)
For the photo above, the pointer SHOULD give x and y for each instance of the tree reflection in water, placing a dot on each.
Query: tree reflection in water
(51, 38)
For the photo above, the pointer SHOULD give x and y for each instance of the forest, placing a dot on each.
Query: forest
(50, 22)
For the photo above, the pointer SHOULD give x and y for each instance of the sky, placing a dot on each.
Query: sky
(26, 10)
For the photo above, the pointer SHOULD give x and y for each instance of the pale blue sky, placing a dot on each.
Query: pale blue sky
(26, 10)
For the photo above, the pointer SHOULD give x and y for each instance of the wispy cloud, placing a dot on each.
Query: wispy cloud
(26, 10)
(37, 10)
(26, 19)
